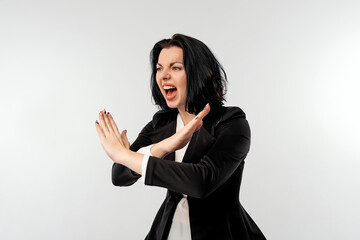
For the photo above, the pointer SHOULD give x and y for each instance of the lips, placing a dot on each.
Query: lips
(170, 91)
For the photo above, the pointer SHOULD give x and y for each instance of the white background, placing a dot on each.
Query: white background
(293, 67)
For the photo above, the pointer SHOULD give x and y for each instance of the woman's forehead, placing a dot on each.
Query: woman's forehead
(171, 55)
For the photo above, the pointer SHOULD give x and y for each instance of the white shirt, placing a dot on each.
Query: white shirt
(180, 227)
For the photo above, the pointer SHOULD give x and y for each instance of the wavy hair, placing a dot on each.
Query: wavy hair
(205, 77)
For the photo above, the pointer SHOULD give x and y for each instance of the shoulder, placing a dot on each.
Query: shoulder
(224, 113)
(233, 112)
(216, 116)
(219, 118)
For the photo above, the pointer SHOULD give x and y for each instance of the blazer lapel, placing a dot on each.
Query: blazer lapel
(199, 144)
(202, 140)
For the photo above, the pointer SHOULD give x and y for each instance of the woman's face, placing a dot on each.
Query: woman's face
(171, 77)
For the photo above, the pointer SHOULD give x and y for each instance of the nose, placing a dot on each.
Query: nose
(165, 75)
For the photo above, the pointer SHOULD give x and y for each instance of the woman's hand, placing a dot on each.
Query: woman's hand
(114, 143)
(181, 138)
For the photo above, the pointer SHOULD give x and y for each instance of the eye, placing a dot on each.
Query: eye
(158, 69)
(176, 68)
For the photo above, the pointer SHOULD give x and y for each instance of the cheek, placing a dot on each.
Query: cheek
(183, 85)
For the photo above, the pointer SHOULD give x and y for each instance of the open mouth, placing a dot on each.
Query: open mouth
(170, 91)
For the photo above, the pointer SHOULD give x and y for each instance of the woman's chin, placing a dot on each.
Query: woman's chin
(171, 105)
(175, 103)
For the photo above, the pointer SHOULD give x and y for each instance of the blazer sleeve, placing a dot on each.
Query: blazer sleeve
(200, 179)
(123, 176)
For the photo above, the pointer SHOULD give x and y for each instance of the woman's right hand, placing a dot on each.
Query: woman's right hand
(180, 138)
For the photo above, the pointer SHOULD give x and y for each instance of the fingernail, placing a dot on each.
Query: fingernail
(97, 122)
(196, 117)
(125, 131)
(108, 113)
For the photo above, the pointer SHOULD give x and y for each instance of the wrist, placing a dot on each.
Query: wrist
(130, 159)
(159, 149)
(121, 156)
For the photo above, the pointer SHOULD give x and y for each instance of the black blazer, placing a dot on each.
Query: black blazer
(210, 174)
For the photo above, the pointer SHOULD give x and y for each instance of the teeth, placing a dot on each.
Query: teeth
(169, 87)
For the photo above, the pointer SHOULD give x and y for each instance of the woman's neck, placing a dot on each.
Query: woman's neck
(185, 116)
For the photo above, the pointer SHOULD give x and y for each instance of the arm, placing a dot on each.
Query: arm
(124, 176)
(211, 170)
(114, 142)
(118, 149)
(181, 138)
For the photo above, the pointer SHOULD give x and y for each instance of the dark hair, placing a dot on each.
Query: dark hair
(205, 77)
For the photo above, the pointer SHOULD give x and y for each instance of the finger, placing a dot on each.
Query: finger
(196, 123)
(99, 130)
(114, 126)
(108, 124)
(203, 113)
(125, 139)
(103, 125)
(198, 126)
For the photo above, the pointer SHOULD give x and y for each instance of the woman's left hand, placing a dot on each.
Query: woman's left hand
(114, 143)
(180, 138)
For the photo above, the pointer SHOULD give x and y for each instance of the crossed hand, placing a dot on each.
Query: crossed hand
(117, 146)
(112, 141)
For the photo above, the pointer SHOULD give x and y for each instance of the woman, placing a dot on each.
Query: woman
(197, 154)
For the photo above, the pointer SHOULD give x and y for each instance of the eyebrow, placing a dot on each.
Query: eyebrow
(171, 63)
